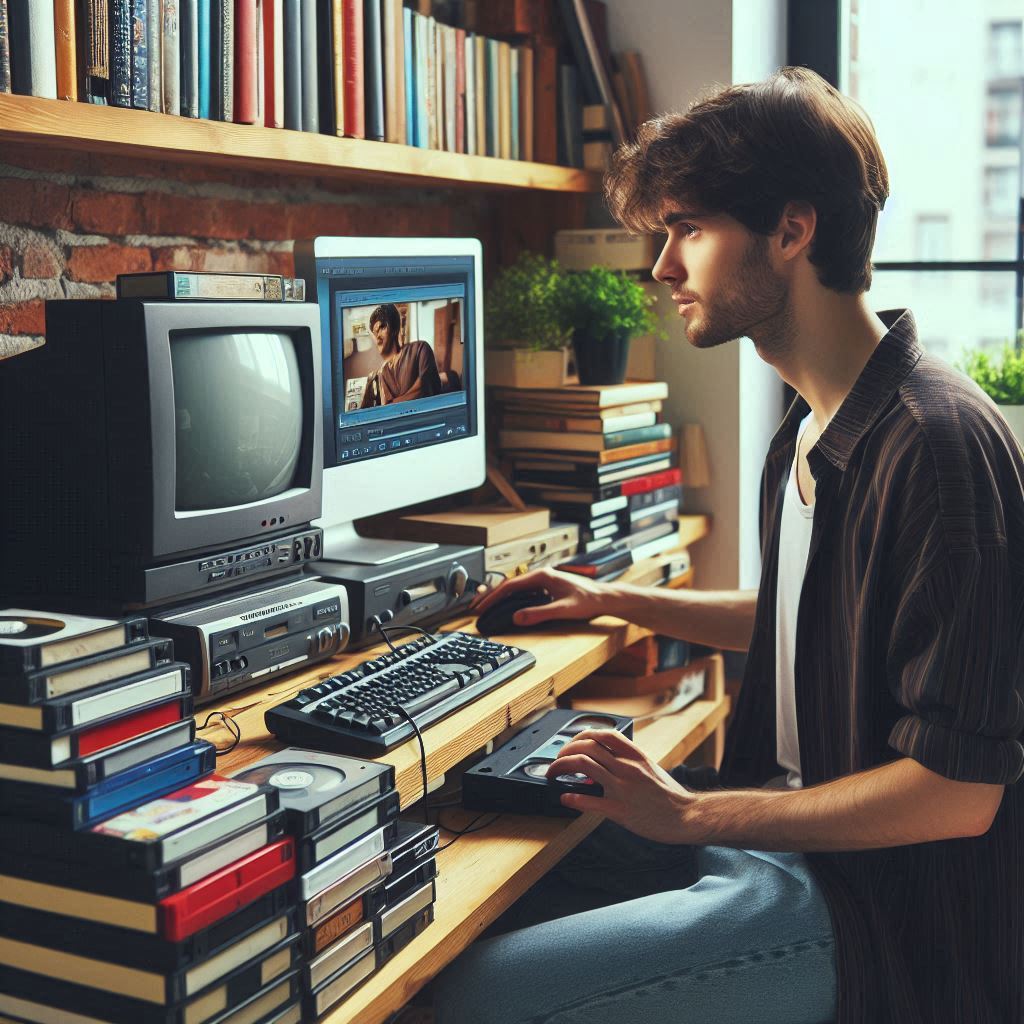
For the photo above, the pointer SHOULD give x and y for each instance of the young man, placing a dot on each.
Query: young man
(861, 857)
(408, 371)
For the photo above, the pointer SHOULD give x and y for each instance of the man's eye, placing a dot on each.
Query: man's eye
(689, 230)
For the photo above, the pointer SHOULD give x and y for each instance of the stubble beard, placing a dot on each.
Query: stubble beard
(753, 302)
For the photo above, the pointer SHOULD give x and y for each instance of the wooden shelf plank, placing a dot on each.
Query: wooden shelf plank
(142, 133)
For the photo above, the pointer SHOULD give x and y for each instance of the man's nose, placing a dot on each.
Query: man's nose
(668, 269)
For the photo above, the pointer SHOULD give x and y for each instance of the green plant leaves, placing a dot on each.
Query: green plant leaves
(1002, 377)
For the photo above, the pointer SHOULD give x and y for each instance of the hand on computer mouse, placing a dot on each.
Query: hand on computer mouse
(571, 597)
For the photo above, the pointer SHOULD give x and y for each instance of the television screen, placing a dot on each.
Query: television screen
(238, 417)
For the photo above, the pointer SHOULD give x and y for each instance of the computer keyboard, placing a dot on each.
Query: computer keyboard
(430, 677)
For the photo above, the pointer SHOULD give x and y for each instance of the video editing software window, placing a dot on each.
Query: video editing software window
(399, 370)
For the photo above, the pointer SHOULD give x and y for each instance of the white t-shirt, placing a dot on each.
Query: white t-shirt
(794, 544)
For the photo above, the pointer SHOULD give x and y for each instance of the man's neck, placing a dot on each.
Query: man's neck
(828, 340)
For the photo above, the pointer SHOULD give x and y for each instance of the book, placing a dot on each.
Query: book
(583, 441)
(352, 58)
(308, 73)
(409, 41)
(460, 90)
(395, 128)
(570, 130)
(578, 424)
(504, 101)
(222, 58)
(601, 457)
(245, 104)
(436, 85)
(188, 31)
(471, 98)
(560, 494)
(292, 46)
(526, 111)
(480, 70)
(587, 477)
(139, 59)
(513, 88)
(203, 51)
(449, 74)
(493, 88)
(66, 43)
(632, 67)
(652, 499)
(170, 57)
(486, 525)
(326, 67)
(580, 509)
(154, 56)
(373, 58)
(588, 396)
(33, 53)
(598, 565)
(273, 64)
(545, 103)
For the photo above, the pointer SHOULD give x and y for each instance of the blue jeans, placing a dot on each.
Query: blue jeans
(628, 930)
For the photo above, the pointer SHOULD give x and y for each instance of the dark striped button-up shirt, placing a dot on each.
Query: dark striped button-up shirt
(910, 643)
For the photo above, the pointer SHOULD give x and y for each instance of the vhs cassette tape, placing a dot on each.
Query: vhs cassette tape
(84, 673)
(414, 843)
(391, 892)
(140, 884)
(320, 1000)
(102, 702)
(32, 640)
(40, 750)
(344, 862)
(78, 776)
(316, 910)
(317, 788)
(154, 834)
(390, 920)
(317, 938)
(514, 777)
(335, 837)
(151, 779)
(403, 935)
(338, 954)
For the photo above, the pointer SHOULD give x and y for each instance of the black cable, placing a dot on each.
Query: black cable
(232, 727)
(384, 630)
(423, 755)
(459, 833)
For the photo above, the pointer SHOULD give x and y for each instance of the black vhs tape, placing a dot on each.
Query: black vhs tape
(514, 777)
(402, 936)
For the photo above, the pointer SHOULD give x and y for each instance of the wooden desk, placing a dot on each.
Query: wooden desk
(483, 873)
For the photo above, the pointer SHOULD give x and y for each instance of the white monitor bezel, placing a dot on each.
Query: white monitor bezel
(400, 479)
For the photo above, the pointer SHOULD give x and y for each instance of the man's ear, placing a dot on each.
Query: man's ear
(796, 228)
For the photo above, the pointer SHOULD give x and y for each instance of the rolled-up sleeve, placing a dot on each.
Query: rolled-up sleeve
(954, 664)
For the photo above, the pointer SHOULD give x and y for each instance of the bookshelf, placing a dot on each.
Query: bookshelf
(83, 127)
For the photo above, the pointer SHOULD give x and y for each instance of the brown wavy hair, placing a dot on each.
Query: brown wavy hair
(746, 151)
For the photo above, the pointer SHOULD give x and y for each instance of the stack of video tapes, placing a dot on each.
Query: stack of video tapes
(343, 815)
(134, 884)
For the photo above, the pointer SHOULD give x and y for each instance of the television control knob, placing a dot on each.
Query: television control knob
(326, 639)
(344, 634)
(457, 580)
(307, 546)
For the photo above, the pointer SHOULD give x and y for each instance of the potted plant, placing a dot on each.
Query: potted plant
(606, 309)
(527, 339)
(1002, 379)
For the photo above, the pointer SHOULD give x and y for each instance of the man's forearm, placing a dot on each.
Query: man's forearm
(893, 805)
(717, 618)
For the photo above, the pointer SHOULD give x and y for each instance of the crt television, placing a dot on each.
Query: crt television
(147, 441)
(401, 326)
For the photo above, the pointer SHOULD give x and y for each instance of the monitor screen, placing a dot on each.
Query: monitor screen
(238, 415)
(400, 371)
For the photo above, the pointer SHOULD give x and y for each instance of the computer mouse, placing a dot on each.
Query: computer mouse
(498, 618)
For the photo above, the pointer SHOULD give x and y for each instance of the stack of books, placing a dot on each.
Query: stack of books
(598, 457)
(136, 884)
(366, 880)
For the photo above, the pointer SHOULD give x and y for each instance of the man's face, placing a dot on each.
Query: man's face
(382, 336)
(721, 277)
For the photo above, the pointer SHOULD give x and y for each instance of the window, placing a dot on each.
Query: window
(1006, 49)
(1002, 117)
(946, 105)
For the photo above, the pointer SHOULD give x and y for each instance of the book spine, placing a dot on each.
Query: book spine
(394, 71)
(570, 118)
(33, 55)
(469, 59)
(504, 101)
(493, 98)
(205, 68)
(188, 33)
(261, 63)
(355, 103)
(513, 58)
(154, 58)
(338, 65)
(325, 67)
(171, 71)
(480, 70)
(272, 44)
(65, 39)
(121, 53)
(245, 109)
(310, 93)
(409, 49)
(437, 84)
(140, 54)
(526, 104)
(451, 72)
(422, 82)
(226, 76)
(292, 65)
(5, 49)
(374, 64)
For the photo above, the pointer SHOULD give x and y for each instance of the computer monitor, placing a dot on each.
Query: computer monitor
(401, 328)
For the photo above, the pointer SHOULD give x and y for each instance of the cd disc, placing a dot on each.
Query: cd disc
(298, 784)
(28, 628)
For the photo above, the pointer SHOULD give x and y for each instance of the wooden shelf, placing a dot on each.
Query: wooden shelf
(85, 127)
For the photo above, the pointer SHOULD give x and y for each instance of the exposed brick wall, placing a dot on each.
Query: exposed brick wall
(69, 223)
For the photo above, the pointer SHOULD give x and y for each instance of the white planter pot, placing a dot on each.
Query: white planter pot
(521, 368)
(1014, 416)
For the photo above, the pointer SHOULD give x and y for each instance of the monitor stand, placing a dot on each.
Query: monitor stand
(343, 544)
